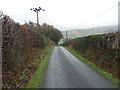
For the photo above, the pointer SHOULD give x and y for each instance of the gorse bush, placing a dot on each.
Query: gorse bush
(21, 44)
(17, 40)
(18, 43)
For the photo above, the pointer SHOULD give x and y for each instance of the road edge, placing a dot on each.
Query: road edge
(105, 74)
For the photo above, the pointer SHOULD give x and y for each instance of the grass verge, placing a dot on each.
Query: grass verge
(38, 77)
(93, 66)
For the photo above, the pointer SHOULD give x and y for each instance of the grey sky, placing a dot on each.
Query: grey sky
(63, 14)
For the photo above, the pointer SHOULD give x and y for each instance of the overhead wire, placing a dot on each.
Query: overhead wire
(100, 14)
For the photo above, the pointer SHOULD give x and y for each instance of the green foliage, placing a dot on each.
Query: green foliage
(51, 32)
(89, 42)
(47, 30)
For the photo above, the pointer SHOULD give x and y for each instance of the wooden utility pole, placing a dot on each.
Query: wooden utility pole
(37, 10)
(66, 36)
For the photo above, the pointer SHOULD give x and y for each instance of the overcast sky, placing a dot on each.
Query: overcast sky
(63, 14)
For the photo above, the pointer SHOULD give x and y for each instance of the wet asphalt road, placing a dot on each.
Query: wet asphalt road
(66, 71)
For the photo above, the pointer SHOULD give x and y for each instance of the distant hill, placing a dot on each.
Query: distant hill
(74, 33)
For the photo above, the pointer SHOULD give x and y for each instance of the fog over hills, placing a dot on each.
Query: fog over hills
(74, 33)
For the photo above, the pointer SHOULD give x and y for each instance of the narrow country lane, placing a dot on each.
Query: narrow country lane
(66, 71)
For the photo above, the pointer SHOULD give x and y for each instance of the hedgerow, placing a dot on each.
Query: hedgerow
(21, 45)
(103, 50)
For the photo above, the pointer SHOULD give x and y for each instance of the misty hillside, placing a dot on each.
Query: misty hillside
(85, 32)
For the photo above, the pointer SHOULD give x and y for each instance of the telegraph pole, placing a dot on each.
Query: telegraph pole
(66, 36)
(37, 10)
(37, 18)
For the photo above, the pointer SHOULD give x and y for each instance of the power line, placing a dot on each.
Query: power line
(100, 14)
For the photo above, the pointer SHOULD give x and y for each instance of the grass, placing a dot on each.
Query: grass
(38, 77)
(93, 66)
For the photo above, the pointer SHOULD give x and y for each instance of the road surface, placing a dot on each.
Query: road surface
(66, 71)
